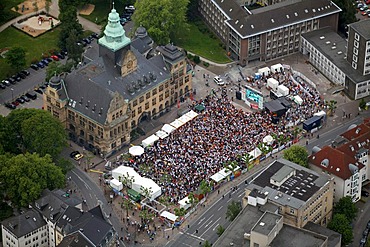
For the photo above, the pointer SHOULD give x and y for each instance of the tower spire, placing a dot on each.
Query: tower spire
(113, 4)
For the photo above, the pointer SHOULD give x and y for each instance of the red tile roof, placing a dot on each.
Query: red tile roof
(356, 132)
(338, 162)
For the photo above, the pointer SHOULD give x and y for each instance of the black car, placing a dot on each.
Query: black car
(64, 52)
(20, 100)
(10, 106)
(17, 77)
(45, 62)
(2, 86)
(95, 35)
(39, 90)
(25, 72)
(40, 65)
(5, 82)
(42, 87)
(87, 40)
(60, 55)
(49, 59)
(25, 98)
(31, 95)
(11, 80)
(21, 75)
(34, 66)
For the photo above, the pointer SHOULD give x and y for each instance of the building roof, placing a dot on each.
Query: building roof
(359, 130)
(333, 47)
(334, 238)
(296, 189)
(248, 23)
(362, 28)
(291, 237)
(334, 162)
(25, 223)
(76, 239)
(266, 223)
(52, 204)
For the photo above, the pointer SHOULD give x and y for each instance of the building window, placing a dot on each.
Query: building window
(292, 210)
(154, 101)
(161, 88)
(141, 99)
(57, 104)
(139, 110)
(147, 95)
(167, 94)
(48, 99)
(154, 92)
(161, 97)
(134, 103)
(355, 43)
(357, 37)
(146, 105)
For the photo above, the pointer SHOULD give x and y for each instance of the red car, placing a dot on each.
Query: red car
(16, 103)
(55, 58)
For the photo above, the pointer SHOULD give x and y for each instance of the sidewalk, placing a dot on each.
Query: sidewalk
(213, 63)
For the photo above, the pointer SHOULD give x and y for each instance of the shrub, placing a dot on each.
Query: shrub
(190, 56)
(206, 64)
(196, 59)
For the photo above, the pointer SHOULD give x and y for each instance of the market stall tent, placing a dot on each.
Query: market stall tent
(184, 119)
(161, 134)
(115, 184)
(123, 171)
(265, 71)
(177, 124)
(276, 68)
(217, 177)
(136, 150)
(169, 216)
(185, 203)
(192, 114)
(297, 99)
(168, 128)
(149, 141)
(146, 183)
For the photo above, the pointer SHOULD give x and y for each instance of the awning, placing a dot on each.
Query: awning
(192, 114)
(177, 123)
(149, 141)
(168, 128)
(169, 216)
(136, 150)
(200, 107)
(161, 134)
(184, 119)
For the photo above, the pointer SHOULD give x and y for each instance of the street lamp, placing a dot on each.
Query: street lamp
(12, 92)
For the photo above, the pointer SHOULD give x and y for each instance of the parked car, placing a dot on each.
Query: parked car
(2, 86)
(5, 82)
(64, 52)
(39, 90)
(76, 155)
(11, 80)
(21, 75)
(218, 81)
(25, 98)
(55, 57)
(95, 35)
(364, 193)
(20, 100)
(16, 103)
(368, 225)
(17, 77)
(25, 72)
(10, 106)
(45, 62)
(34, 66)
(40, 65)
(31, 95)
(49, 59)
(60, 55)
(87, 40)
(365, 233)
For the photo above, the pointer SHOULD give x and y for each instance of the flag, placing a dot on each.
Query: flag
(178, 103)
(191, 96)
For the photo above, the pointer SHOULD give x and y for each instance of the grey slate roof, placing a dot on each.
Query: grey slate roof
(362, 27)
(171, 53)
(337, 55)
(334, 238)
(248, 24)
(76, 239)
(266, 223)
(25, 223)
(100, 79)
(140, 45)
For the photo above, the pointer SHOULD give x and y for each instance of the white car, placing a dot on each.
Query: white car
(218, 81)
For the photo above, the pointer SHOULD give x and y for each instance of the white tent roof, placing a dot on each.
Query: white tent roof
(268, 139)
(276, 67)
(149, 184)
(255, 153)
(136, 150)
(168, 128)
(191, 114)
(298, 99)
(169, 216)
(115, 182)
(265, 70)
(184, 118)
(217, 177)
(150, 140)
(225, 173)
(185, 201)
(123, 171)
(161, 134)
(177, 123)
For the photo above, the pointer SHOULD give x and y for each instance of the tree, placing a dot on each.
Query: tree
(192, 199)
(57, 68)
(341, 224)
(192, 13)
(35, 6)
(145, 216)
(47, 6)
(362, 104)
(74, 50)
(347, 15)
(233, 210)
(161, 18)
(204, 187)
(296, 154)
(16, 57)
(25, 176)
(280, 139)
(127, 204)
(220, 229)
(64, 164)
(127, 180)
(332, 105)
(180, 211)
(231, 166)
(33, 130)
(346, 207)
(146, 192)
(246, 159)
(207, 244)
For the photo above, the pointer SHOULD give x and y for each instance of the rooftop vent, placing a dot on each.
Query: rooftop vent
(101, 111)
(236, 22)
(306, 11)
(252, 26)
(339, 52)
(34, 219)
(262, 223)
(358, 130)
(241, 26)
(333, 47)
(352, 148)
(272, 20)
(81, 100)
(327, 42)
(287, 16)
(322, 37)
(94, 107)
(87, 104)
(230, 10)
(295, 13)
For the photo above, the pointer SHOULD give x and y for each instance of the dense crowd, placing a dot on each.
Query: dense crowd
(201, 147)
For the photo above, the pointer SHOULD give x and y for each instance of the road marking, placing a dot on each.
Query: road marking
(241, 194)
(86, 185)
(194, 236)
(187, 244)
(215, 227)
(220, 208)
(200, 221)
(206, 221)
(229, 199)
(210, 227)
(208, 224)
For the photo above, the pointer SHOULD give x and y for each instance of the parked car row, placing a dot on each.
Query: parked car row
(126, 16)
(21, 100)
(14, 79)
(45, 62)
(365, 235)
(86, 41)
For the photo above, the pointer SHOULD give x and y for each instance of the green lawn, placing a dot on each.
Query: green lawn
(204, 43)
(7, 14)
(102, 9)
(34, 47)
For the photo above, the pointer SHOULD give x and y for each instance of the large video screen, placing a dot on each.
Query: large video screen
(254, 95)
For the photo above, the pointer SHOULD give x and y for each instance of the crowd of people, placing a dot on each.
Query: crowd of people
(218, 135)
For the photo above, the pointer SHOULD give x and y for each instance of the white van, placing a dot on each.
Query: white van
(218, 81)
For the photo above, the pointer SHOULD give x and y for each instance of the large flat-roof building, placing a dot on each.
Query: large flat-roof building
(101, 102)
(344, 62)
(268, 32)
(301, 195)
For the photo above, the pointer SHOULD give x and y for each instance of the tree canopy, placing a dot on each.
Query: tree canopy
(346, 207)
(233, 210)
(32, 130)
(16, 57)
(296, 154)
(340, 224)
(161, 18)
(347, 15)
(25, 176)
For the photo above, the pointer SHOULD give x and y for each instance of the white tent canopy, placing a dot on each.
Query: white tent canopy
(146, 183)
(177, 123)
(185, 203)
(136, 150)
(115, 184)
(169, 216)
(150, 140)
(161, 134)
(276, 68)
(298, 99)
(217, 177)
(268, 139)
(168, 128)
(191, 114)
(264, 71)
(123, 171)
(184, 118)
(255, 153)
